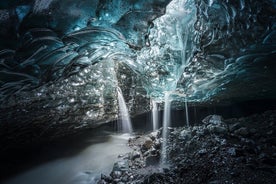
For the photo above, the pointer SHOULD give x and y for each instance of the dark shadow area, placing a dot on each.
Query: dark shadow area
(197, 113)
(23, 157)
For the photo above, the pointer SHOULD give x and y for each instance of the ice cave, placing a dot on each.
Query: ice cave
(137, 91)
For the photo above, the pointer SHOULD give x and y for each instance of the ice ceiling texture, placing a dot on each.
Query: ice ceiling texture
(61, 61)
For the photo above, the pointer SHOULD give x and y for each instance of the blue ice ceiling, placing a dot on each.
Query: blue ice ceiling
(72, 55)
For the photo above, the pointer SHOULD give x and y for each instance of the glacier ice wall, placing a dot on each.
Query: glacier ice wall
(62, 61)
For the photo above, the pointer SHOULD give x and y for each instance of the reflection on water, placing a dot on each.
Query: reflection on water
(83, 168)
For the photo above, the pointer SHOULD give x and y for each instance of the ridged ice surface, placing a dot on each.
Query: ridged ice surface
(68, 58)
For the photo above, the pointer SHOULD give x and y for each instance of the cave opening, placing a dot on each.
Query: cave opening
(137, 91)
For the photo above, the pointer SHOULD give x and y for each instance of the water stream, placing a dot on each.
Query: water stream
(166, 124)
(125, 124)
(187, 113)
(154, 115)
(83, 168)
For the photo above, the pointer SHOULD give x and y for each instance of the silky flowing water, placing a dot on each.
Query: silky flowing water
(166, 124)
(154, 115)
(187, 113)
(83, 168)
(125, 123)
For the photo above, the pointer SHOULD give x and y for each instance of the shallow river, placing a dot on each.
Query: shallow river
(84, 167)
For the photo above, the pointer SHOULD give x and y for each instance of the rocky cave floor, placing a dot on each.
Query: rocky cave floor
(237, 150)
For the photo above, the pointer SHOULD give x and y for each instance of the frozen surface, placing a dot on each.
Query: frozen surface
(68, 58)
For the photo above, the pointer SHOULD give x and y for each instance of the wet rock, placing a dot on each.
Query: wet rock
(220, 130)
(210, 128)
(185, 135)
(268, 161)
(152, 160)
(116, 174)
(234, 127)
(153, 135)
(157, 144)
(116, 180)
(148, 143)
(125, 179)
(252, 131)
(121, 165)
(202, 151)
(242, 131)
(232, 151)
(134, 155)
(213, 119)
(153, 151)
(166, 170)
(214, 182)
(235, 173)
(201, 132)
(106, 178)
(271, 132)
(198, 156)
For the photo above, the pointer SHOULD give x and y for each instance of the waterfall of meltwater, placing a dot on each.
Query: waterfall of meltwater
(154, 115)
(187, 113)
(125, 122)
(166, 124)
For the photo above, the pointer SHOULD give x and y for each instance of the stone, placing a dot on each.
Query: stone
(201, 132)
(242, 131)
(202, 151)
(116, 174)
(185, 134)
(134, 155)
(153, 135)
(235, 173)
(152, 160)
(213, 119)
(232, 151)
(214, 182)
(116, 180)
(106, 178)
(220, 129)
(157, 144)
(234, 127)
(125, 178)
(271, 132)
(121, 165)
(153, 151)
(252, 131)
(210, 128)
(147, 143)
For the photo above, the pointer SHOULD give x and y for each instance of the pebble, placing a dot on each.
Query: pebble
(232, 151)
(121, 165)
(152, 160)
(116, 174)
(147, 143)
(134, 155)
(213, 119)
(220, 130)
(214, 182)
(202, 151)
(234, 127)
(185, 134)
(241, 131)
(253, 130)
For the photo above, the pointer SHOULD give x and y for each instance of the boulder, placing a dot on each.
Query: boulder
(213, 119)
